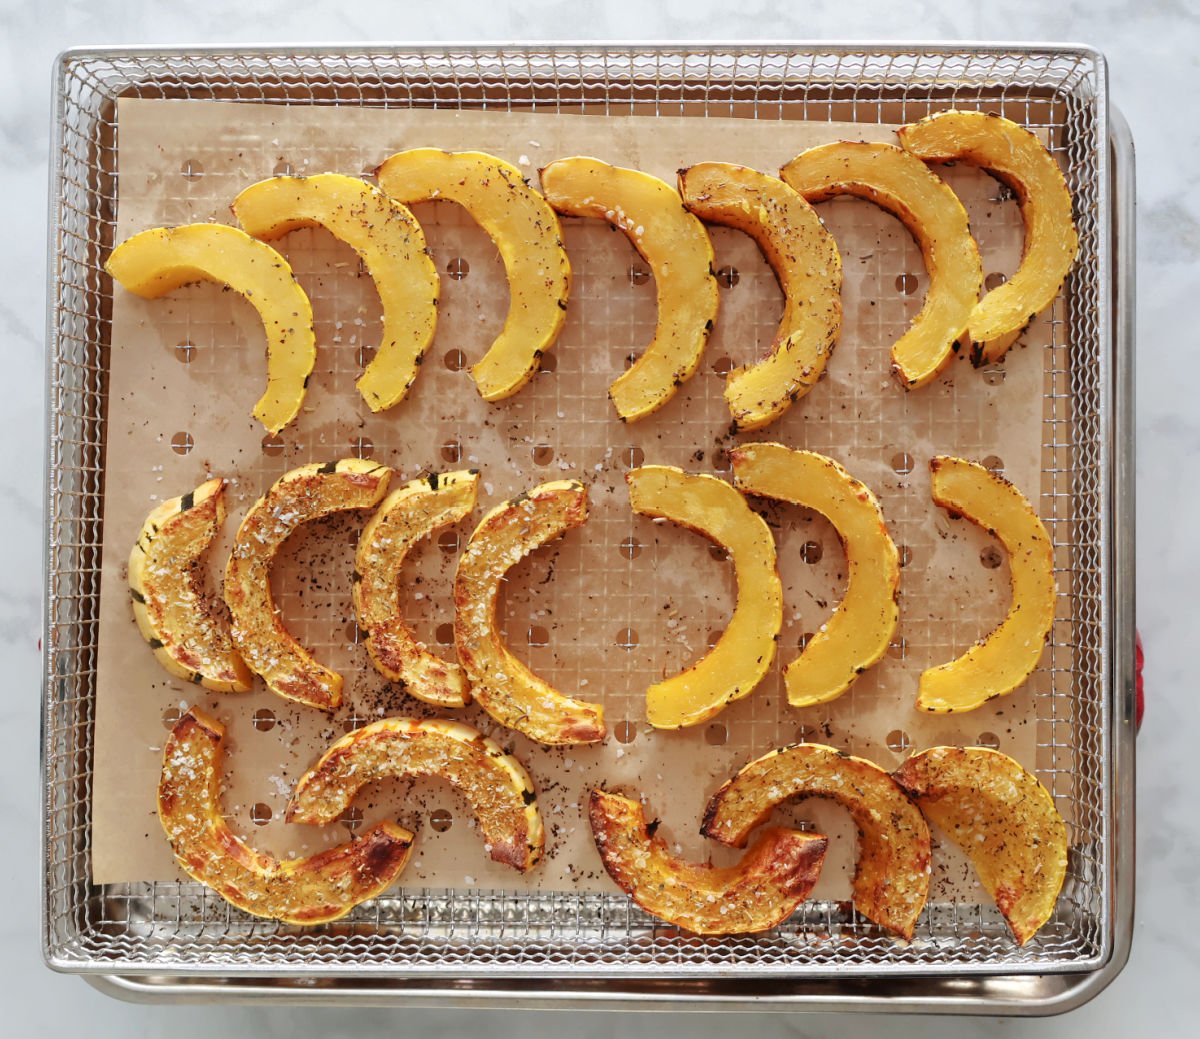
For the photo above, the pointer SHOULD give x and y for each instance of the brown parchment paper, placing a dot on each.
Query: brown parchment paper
(611, 607)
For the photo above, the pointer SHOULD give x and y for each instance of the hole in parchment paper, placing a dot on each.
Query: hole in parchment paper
(182, 443)
(803, 641)
(898, 648)
(444, 634)
(905, 554)
(458, 268)
(722, 463)
(992, 374)
(451, 451)
(352, 818)
(811, 552)
(898, 741)
(185, 352)
(631, 548)
(638, 275)
(804, 826)
(716, 735)
(192, 169)
(170, 716)
(283, 168)
(994, 464)
(548, 363)
(273, 444)
(994, 281)
(713, 638)
(627, 638)
(804, 733)
(719, 553)
(355, 721)
(728, 277)
(365, 355)
(990, 557)
(626, 732)
(354, 633)
(722, 366)
(362, 446)
(441, 820)
(902, 463)
(631, 457)
(264, 719)
(536, 635)
(543, 454)
(261, 814)
(906, 283)
(629, 360)
(455, 360)
(989, 740)
(448, 541)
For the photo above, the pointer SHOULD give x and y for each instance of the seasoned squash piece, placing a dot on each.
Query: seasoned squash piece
(168, 603)
(759, 893)
(1009, 655)
(495, 784)
(526, 232)
(391, 245)
(891, 881)
(862, 625)
(304, 494)
(677, 248)
(155, 262)
(503, 685)
(743, 654)
(1004, 820)
(807, 266)
(312, 890)
(1019, 160)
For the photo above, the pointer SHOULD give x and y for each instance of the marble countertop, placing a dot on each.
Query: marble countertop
(1152, 50)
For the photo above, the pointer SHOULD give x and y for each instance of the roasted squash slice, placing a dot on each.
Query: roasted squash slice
(495, 784)
(1018, 159)
(503, 685)
(407, 515)
(933, 215)
(526, 232)
(759, 893)
(168, 604)
(743, 654)
(157, 261)
(862, 625)
(1005, 821)
(807, 266)
(1008, 656)
(677, 248)
(891, 882)
(311, 890)
(304, 494)
(391, 245)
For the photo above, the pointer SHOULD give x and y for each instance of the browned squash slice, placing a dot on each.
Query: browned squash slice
(495, 784)
(312, 890)
(807, 266)
(759, 893)
(891, 882)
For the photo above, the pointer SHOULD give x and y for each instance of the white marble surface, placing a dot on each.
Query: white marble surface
(1155, 76)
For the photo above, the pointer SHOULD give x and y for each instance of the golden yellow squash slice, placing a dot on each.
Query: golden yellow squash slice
(862, 625)
(312, 890)
(296, 498)
(891, 881)
(1005, 821)
(495, 784)
(1009, 655)
(677, 248)
(160, 260)
(759, 893)
(407, 515)
(391, 245)
(526, 232)
(1017, 158)
(808, 267)
(743, 653)
(933, 215)
(504, 687)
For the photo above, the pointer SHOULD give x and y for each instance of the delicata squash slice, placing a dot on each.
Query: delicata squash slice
(495, 784)
(862, 625)
(760, 892)
(407, 515)
(1003, 819)
(168, 604)
(312, 890)
(504, 687)
(1009, 655)
(808, 267)
(743, 654)
(680, 255)
(297, 497)
(391, 245)
(526, 232)
(155, 262)
(891, 881)
(933, 215)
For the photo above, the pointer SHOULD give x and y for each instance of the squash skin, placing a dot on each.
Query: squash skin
(155, 262)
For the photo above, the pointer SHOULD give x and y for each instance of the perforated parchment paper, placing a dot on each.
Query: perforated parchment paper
(613, 606)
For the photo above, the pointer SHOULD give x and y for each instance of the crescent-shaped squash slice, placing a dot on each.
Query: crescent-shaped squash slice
(1008, 656)
(933, 215)
(677, 248)
(743, 653)
(1005, 821)
(807, 266)
(759, 893)
(495, 784)
(297, 497)
(857, 635)
(503, 685)
(155, 262)
(408, 515)
(391, 245)
(1018, 159)
(311, 890)
(526, 232)
(891, 881)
